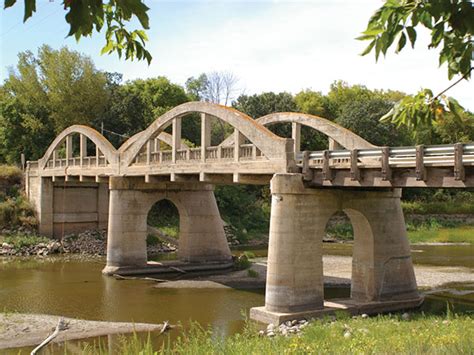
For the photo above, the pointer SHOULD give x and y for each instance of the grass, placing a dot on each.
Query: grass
(19, 241)
(379, 335)
(438, 207)
(463, 234)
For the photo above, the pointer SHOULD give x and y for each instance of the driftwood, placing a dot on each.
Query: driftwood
(166, 326)
(62, 325)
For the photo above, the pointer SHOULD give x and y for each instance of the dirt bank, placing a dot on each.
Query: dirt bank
(18, 330)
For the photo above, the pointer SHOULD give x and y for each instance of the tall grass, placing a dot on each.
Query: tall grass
(378, 335)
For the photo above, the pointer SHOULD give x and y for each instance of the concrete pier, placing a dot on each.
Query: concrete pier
(201, 240)
(382, 272)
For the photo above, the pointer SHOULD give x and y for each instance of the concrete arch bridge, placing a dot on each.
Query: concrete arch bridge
(83, 182)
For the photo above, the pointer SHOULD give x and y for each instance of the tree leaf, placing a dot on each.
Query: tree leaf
(411, 35)
(9, 3)
(401, 42)
(30, 7)
(368, 48)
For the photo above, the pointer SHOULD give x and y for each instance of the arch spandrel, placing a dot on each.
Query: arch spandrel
(271, 145)
(110, 153)
(341, 135)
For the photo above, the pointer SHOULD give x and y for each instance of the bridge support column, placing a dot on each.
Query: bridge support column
(383, 278)
(295, 265)
(202, 239)
(382, 268)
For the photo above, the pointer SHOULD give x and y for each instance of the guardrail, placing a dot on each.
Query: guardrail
(386, 158)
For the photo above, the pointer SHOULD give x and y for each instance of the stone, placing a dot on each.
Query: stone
(406, 316)
(347, 335)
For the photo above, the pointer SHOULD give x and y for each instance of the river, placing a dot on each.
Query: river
(73, 287)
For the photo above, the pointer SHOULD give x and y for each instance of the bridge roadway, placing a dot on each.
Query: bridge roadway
(83, 182)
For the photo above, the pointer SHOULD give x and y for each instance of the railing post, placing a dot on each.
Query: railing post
(97, 156)
(54, 158)
(296, 135)
(355, 172)
(254, 152)
(327, 173)
(420, 165)
(305, 170)
(219, 152)
(148, 152)
(205, 135)
(82, 148)
(68, 149)
(238, 140)
(176, 138)
(459, 172)
(386, 170)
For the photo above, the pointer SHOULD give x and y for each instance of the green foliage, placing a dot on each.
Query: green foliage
(165, 216)
(341, 231)
(363, 118)
(375, 335)
(19, 241)
(439, 201)
(252, 273)
(152, 240)
(259, 105)
(427, 234)
(87, 16)
(451, 24)
(244, 207)
(10, 175)
(242, 262)
(133, 106)
(421, 111)
(44, 95)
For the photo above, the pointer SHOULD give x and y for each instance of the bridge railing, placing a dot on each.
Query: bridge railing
(436, 154)
(419, 157)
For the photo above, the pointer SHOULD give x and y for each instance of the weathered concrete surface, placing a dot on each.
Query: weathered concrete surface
(382, 269)
(68, 207)
(202, 238)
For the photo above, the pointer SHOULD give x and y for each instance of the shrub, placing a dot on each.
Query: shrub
(20, 241)
(252, 273)
(10, 175)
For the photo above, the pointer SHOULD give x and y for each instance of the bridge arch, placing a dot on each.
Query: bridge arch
(98, 139)
(341, 135)
(271, 146)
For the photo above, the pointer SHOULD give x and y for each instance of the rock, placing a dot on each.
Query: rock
(406, 316)
(6, 246)
(261, 333)
(294, 322)
(271, 327)
(270, 334)
(365, 315)
(347, 335)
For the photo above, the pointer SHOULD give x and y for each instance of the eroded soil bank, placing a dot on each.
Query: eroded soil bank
(19, 330)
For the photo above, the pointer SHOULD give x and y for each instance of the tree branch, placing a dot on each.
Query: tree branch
(453, 84)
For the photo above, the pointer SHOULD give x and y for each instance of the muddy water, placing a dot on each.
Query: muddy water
(76, 288)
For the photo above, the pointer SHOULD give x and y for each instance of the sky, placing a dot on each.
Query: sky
(269, 45)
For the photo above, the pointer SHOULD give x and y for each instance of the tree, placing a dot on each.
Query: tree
(133, 106)
(44, 95)
(363, 118)
(87, 16)
(451, 25)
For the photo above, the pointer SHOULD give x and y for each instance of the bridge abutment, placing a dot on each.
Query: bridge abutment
(382, 274)
(202, 239)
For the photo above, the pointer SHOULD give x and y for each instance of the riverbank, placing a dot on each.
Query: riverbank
(90, 242)
(20, 330)
(391, 334)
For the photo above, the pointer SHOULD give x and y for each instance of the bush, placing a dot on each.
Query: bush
(10, 175)
(20, 241)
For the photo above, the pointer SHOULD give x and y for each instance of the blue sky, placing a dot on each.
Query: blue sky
(269, 45)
